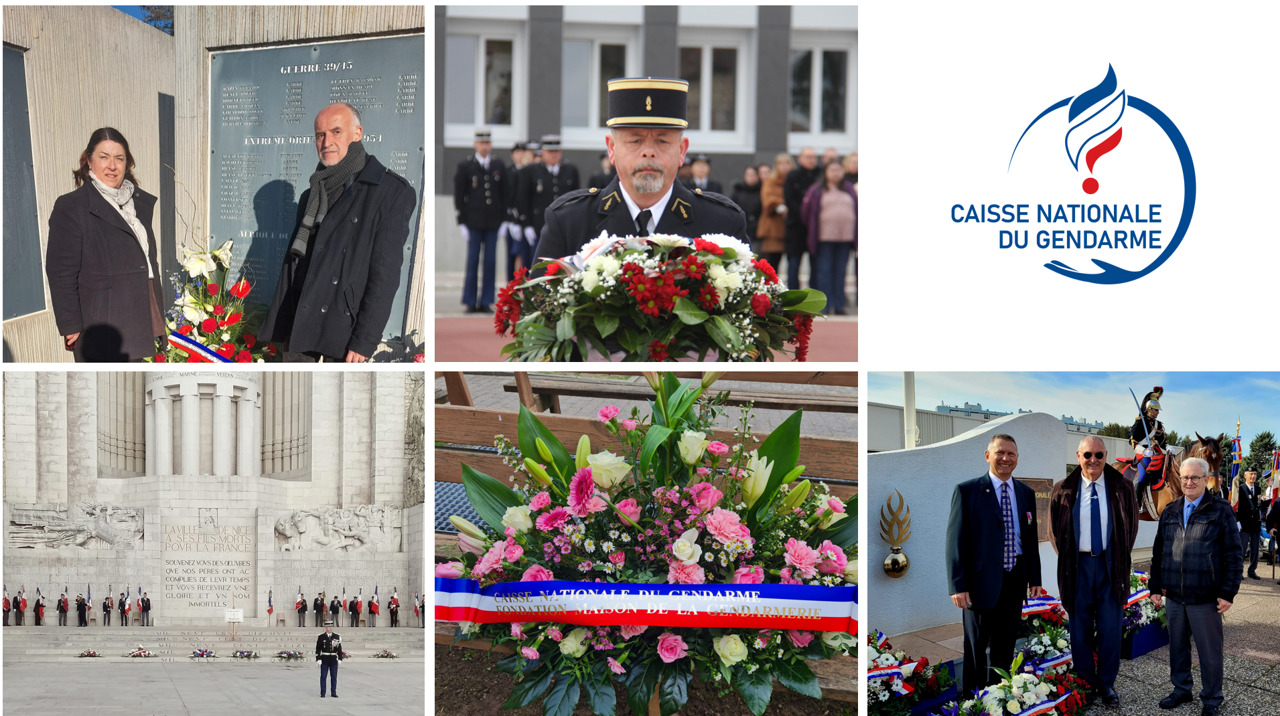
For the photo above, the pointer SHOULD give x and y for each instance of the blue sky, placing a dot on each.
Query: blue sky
(1207, 402)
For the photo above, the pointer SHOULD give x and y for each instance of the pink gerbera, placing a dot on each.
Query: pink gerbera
(581, 489)
(553, 519)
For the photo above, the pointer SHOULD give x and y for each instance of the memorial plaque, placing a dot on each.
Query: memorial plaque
(1044, 490)
(263, 104)
(210, 561)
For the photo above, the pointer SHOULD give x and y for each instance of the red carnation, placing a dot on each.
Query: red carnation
(226, 350)
(185, 329)
(762, 265)
(219, 310)
(658, 351)
(249, 340)
(244, 357)
(761, 303)
(209, 325)
(240, 289)
(507, 310)
(232, 319)
(709, 247)
(213, 289)
(270, 350)
(160, 358)
(552, 269)
(420, 358)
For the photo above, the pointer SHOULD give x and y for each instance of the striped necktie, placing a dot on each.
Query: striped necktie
(1006, 508)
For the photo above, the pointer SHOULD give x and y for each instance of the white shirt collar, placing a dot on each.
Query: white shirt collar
(553, 168)
(998, 482)
(655, 210)
(1102, 480)
(484, 161)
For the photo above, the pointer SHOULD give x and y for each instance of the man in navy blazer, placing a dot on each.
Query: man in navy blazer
(993, 561)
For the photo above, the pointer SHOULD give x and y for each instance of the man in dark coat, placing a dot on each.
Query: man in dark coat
(6, 609)
(62, 609)
(328, 654)
(300, 606)
(393, 607)
(1093, 523)
(145, 605)
(993, 561)
(82, 611)
(805, 175)
(20, 607)
(1195, 571)
(601, 179)
(647, 147)
(38, 609)
(98, 277)
(335, 608)
(123, 605)
(701, 178)
(317, 605)
(1249, 515)
(480, 208)
(108, 605)
(340, 275)
(540, 185)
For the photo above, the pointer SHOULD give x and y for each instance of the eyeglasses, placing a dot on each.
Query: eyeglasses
(1192, 478)
(1091, 455)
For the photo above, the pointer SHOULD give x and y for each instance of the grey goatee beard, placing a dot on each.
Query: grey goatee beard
(648, 183)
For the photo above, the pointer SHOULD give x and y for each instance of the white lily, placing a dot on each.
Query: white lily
(192, 310)
(223, 254)
(199, 263)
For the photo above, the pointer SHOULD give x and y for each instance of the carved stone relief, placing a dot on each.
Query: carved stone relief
(86, 525)
(367, 528)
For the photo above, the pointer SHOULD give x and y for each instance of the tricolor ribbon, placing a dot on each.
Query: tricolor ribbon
(745, 606)
(1039, 605)
(1137, 597)
(881, 639)
(196, 350)
(1040, 667)
(1043, 708)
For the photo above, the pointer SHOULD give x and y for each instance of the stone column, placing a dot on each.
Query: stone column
(222, 430)
(149, 413)
(190, 392)
(249, 451)
(163, 430)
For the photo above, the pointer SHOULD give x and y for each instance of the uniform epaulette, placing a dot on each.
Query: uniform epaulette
(717, 198)
(575, 195)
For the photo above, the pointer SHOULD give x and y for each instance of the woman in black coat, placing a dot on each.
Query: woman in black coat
(102, 259)
(746, 194)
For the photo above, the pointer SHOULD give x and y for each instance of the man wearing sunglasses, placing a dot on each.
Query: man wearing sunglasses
(1196, 566)
(1093, 523)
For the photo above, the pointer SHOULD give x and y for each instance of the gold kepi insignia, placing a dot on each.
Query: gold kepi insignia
(648, 104)
(609, 199)
(679, 205)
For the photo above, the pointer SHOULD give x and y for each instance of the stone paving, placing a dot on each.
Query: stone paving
(487, 392)
(146, 687)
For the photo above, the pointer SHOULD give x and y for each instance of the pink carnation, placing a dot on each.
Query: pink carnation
(748, 575)
(785, 575)
(554, 633)
(630, 630)
(537, 573)
(539, 501)
(517, 630)
(704, 471)
(705, 496)
(596, 504)
(450, 570)
(510, 532)
(553, 519)
(833, 559)
(619, 558)
(671, 647)
(802, 557)
(726, 526)
(800, 638)
(836, 505)
(581, 489)
(628, 424)
(513, 552)
(681, 573)
(762, 639)
(529, 652)
(491, 561)
(607, 413)
(717, 448)
(629, 508)
(613, 663)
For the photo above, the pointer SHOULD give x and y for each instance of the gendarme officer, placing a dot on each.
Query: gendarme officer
(541, 185)
(328, 654)
(480, 205)
(646, 142)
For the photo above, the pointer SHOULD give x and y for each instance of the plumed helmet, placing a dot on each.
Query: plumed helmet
(1152, 399)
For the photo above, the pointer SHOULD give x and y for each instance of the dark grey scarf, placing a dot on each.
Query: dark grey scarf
(327, 181)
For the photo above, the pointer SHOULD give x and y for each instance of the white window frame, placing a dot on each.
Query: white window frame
(817, 42)
(463, 135)
(591, 137)
(742, 138)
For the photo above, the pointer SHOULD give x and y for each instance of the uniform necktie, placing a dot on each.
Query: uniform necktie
(1006, 508)
(642, 221)
(1095, 521)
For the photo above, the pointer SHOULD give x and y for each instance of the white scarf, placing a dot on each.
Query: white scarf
(122, 200)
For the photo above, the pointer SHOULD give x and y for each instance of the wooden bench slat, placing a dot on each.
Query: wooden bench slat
(604, 389)
(842, 379)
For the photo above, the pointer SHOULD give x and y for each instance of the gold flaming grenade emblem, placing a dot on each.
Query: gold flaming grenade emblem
(895, 528)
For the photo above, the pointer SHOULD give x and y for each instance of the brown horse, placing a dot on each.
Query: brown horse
(1164, 491)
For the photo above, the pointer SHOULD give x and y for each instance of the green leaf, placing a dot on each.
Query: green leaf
(756, 689)
(563, 697)
(509, 665)
(782, 448)
(564, 327)
(724, 334)
(630, 340)
(489, 497)
(803, 300)
(654, 439)
(529, 690)
(597, 344)
(844, 534)
(797, 677)
(689, 312)
(641, 680)
(674, 691)
(606, 324)
(600, 694)
(528, 429)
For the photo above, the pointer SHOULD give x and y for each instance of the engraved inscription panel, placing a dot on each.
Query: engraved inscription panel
(263, 104)
(210, 560)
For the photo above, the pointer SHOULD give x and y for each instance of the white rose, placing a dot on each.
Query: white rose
(716, 271)
(575, 644)
(851, 572)
(1014, 707)
(686, 549)
(1062, 643)
(733, 281)
(730, 648)
(517, 518)
(608, 469)
(226, 336)
(692, 445)
(590, 279)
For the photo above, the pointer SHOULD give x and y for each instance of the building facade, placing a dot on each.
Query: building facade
(214, 490)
